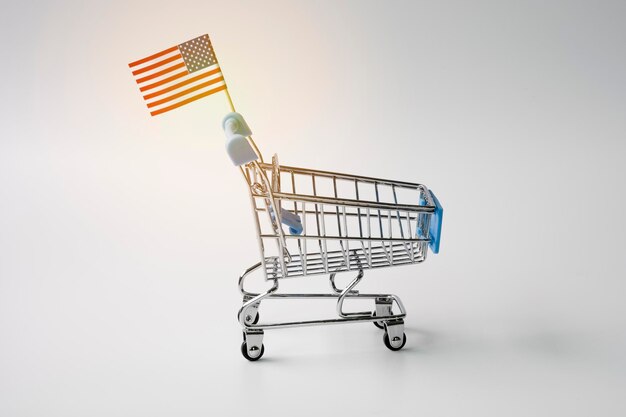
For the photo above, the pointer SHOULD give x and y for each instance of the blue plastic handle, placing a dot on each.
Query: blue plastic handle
(290, 220)
(434, 227)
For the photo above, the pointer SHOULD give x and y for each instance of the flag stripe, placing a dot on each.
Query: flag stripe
(151, 57)
(185, 92)
(158, 74)
(182, 83)
(178, 75)
(157, 64)
(189, 100)
(163, 81)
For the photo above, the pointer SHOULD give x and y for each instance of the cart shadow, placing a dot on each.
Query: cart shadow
(423, 342)
(419, 341)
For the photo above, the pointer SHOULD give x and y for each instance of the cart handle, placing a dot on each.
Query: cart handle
(290, 220)
(434, 225)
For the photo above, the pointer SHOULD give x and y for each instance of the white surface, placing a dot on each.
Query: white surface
(118, 298)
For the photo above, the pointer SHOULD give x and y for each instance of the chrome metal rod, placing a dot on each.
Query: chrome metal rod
(362, 178)
(334, 287)
(243, 276)
(254, 300)
(359, 214)
(354, 319)
(373, 239)
(276, 209)
(345, 293)
(353, 203)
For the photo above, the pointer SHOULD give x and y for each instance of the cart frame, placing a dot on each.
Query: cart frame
(376, 245)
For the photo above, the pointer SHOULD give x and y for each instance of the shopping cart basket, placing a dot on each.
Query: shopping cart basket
(312, 222)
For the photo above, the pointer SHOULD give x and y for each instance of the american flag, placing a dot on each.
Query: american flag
(178, 75)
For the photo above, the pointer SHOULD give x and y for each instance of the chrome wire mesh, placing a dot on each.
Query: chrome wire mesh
(349, 222)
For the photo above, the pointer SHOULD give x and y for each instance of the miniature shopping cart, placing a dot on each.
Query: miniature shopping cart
(312, 222)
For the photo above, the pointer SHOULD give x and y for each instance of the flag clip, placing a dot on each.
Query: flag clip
(237, 146)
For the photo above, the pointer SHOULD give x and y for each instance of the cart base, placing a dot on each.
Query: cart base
(382, 316)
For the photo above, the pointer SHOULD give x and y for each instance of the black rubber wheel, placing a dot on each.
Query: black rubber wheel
(388, 344)
(378, 324)
(244, 352)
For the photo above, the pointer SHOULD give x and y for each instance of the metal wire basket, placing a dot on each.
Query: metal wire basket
(349, 222)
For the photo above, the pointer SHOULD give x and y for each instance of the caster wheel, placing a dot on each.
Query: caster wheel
(396, 345)
(244, 352)
(378, 323)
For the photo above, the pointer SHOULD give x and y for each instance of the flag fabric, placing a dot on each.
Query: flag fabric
(178, 75)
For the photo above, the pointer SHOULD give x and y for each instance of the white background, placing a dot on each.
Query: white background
(122, 236)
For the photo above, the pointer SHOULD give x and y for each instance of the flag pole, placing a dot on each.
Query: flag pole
(232, 108)
(230, 100)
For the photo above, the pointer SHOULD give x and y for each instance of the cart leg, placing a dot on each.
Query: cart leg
(250, 307)
(251, 315)
(394, 337)
(383, 309)
(252, 347)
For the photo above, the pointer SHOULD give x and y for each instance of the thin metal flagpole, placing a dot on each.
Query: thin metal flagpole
(232, 109)
(230, 100)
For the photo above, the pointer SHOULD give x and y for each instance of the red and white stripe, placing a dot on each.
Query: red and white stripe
(166, 83)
